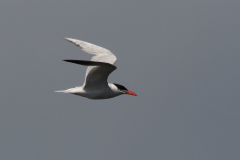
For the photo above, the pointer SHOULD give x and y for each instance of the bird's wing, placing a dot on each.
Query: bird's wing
(98, 75)
(101, 54)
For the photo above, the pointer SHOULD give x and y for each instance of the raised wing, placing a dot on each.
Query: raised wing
(102, 54)
(98, 75)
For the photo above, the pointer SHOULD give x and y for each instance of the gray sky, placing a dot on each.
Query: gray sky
(181, 57)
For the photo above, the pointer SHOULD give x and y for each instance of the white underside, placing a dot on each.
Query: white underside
(104, 93)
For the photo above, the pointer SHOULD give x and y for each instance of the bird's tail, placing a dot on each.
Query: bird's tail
(70, 90)
(63, 91)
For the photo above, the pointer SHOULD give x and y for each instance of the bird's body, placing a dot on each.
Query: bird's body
(99, 68)
(101, 93)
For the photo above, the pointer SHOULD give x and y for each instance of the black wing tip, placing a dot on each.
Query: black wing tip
(67, 60)
(89, 63)
(81, 62)
(70, 60)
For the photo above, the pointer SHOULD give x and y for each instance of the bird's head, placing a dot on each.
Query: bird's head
(124, 90)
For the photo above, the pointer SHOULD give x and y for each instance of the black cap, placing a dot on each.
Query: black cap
(120, 87)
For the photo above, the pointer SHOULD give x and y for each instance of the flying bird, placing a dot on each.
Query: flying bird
(99, 68)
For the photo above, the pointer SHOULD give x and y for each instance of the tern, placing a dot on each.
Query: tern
(99, 68)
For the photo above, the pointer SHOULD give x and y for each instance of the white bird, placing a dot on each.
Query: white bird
(99, 68)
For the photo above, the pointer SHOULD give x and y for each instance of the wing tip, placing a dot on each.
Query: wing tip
(74, 41)
(67, 60)
(68, 39)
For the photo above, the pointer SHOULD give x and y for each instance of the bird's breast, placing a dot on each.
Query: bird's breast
(100, 94)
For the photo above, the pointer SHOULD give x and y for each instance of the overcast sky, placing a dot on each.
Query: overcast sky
(180, 56)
